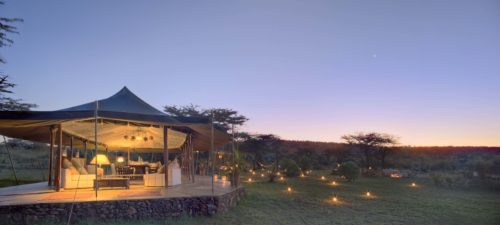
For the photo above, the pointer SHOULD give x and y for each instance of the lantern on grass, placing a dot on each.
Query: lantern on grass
(335, 199)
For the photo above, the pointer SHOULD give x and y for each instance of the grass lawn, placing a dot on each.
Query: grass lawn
(392, 202)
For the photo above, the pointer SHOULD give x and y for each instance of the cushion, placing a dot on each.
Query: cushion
(76, 163)
(73, 171)
(66, 163)
(161, 169)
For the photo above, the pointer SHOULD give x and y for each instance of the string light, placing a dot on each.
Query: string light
(253, 172)
(262, 175)
(334, 183)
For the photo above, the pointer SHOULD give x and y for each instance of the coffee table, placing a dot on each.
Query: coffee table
(112, 182)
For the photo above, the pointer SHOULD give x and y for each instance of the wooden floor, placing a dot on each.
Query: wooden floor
(41, 193)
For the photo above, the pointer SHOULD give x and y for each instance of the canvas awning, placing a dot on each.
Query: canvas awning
(124, 121)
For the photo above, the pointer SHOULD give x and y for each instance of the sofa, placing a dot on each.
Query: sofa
(75, 176)
(158, 179)
(71, 180)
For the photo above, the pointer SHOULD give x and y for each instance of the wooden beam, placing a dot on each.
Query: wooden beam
(59, 157)
(165, 154)
(51, 155)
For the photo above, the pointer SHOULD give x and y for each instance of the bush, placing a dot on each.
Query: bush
(349, 170)
(450, 180)
(304, 163)
(290, 167)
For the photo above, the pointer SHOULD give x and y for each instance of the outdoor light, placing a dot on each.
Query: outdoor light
(278, 173)
(215, 176)
(249, 179)
(289, 189)
(224, 179)
(334, 183)
(262, 175)
(413, 184)
(281, 178)
(301, 175)
(322, 177)
(250, 171)
(253, 172)
(368, 194)
(334, 199)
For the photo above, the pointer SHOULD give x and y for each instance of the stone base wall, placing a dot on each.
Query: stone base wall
(160, 208)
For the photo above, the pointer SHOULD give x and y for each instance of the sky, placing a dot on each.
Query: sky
(425, 71)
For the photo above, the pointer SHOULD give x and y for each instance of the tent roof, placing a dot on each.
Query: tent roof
(122, 107)
(124, 101)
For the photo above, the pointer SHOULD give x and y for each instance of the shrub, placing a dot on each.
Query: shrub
(349, 170)
(304, 163)
(450, 180)
(290, 167)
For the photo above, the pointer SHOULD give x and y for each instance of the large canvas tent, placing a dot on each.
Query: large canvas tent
(119, 123)
(119, 118)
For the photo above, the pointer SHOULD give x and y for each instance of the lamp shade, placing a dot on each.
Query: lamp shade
(100, 159)
(120, 159)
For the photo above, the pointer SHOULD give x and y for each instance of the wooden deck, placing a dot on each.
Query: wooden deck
(41, 193)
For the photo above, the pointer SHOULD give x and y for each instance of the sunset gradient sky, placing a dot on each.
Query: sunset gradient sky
(427, 71)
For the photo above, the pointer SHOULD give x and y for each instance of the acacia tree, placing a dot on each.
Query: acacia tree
(8, 103)
(225, 118)
(378, 144)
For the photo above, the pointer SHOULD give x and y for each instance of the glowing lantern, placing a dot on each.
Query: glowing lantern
(262, 175)
(215, 177)
(281, 178)
(289, 189)
(302, 175)
(253, 172)
(413, 184)
(368, 194)
(322, 177)
(334, 183)
(224, 179)
(249, 179)
(278, 173)
(334, 199)
(250, 171)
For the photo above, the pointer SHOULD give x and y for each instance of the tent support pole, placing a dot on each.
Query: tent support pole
(212, 150)
(165, 154)
(191, 156)
(51, 155)
(85, 150)
(59, 157)
(96, 186)
(10, 159)
(71, 145)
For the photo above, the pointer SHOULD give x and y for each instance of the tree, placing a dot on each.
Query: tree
(7, 103)
(372, 143)
(225, 118)
(6, 27)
